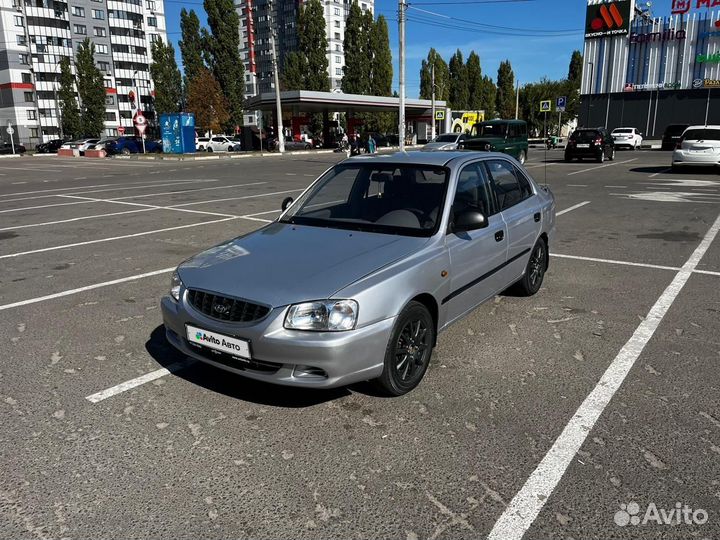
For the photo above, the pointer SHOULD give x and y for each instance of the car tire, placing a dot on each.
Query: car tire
(522, 157)
(125, 151)
(601, 157)
(209, 149)
(568, 159)
(408, 351)
(612, 155)
(535, 270)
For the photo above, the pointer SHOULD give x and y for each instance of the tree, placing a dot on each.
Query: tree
(505, 97)
(575, 68)
(207, 101)
(357, 70)
(487, 101)
(293, 72)
(191, 45)
(166, 78)
(69, 112)
(223, 44)
(91, 90)
(313, 45)
(475, 82)
(459, 91)
(382, 70)
(442, 77)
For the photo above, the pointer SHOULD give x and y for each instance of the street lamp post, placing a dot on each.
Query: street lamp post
(137, 103)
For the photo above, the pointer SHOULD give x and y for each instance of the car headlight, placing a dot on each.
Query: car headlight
(322, 315)
(175, 285)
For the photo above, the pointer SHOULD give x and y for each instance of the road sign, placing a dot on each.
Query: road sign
(10, 130)
(545, 106)
(121, 130)
(560, 104)
(140, 120)
(141, 128)
(439, 115)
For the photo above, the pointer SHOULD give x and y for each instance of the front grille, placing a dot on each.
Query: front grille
(223, 308)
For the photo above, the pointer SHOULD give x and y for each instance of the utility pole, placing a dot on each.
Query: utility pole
(402, 7)
(517, 98)
(138, 105)
(432, 76)
(276, 78)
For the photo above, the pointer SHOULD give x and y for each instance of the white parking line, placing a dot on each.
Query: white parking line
(137, 381)
(123, 237)
(574, 207)
(629, 263)
(45, 206)
(124, 184)
(26, 169)
(70, 220)
(86, 288)
(577, 185)
(184, 191)
(155, 206)
(520, 514)
(602, 166)
(235, 198)
(660, 172)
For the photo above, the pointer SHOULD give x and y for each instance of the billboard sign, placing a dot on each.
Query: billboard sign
(607, 19)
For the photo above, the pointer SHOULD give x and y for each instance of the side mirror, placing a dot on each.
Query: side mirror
(287, 201)
(469, 220)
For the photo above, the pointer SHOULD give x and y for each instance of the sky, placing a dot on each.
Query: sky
(549, 32)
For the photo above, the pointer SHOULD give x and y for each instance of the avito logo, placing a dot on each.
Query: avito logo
(608, 18)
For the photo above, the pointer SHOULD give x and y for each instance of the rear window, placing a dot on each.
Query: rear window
(489, 130)
(585, 135)
(446, 138)
(623, 131)
(702, 135)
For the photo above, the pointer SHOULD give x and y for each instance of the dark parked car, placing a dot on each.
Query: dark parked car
(133, 145)
(49, 147)
(7, 148)
(595, 143)
(507, 136)
(673, 134)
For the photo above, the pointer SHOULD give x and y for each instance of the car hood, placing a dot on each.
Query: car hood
(480, 142)
(283, 264)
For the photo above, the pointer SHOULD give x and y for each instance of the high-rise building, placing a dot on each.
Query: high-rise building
(36, 34)
(257, 17)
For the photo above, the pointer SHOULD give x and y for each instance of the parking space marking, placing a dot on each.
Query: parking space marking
(525, 506)
(185, 191)
(236, 198)
(576, 185)
(602, 166)
(124, 184)
(574, 207)
(126, 203)
(668, 169)
(630, 263)
(138, 381)
(618, 187)
(46, 206)
(70, 220)
(86, 288)
(30, 169)
(112, 239)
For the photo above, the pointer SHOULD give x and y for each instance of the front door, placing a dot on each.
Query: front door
(475, 256)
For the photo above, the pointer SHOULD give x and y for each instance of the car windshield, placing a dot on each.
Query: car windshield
(450, 137)
(702, 135)
(489, 130)
(622, 130)
(584, 135)
(375, 197)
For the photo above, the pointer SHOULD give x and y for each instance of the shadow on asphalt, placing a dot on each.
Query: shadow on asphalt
(653, 169)
(239, 387)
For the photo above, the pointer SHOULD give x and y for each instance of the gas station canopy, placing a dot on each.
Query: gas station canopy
(315, 102)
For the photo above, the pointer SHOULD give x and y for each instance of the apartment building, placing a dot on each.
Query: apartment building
(257, 17)
(36, 34)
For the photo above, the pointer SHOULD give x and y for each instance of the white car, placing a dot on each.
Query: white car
(216, 143)
(699, 145)
(81, 145)
(627, 136)
(446, 141)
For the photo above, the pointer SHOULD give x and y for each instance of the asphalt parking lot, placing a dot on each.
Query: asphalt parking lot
(538, 418)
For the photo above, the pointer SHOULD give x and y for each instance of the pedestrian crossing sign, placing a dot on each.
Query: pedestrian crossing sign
(545, 106)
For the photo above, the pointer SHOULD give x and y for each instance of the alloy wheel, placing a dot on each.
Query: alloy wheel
(411, 350)
(537, 264)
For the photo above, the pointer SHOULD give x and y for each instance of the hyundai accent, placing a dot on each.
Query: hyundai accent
(356, 277)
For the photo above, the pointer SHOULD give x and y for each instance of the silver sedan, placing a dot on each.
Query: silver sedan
(356, 278)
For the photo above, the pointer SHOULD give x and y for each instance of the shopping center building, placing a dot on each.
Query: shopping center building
(648, 71)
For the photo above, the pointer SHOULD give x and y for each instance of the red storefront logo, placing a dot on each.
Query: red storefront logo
(609, 18)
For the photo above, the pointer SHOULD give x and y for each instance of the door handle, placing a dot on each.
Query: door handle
(499, 236)
(537, 217)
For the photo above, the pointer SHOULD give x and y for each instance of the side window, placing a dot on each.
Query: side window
(472, 191)
(513, 131)
(508, 191)
(525, 186)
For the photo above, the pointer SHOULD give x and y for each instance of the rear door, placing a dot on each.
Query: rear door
(476, 256)
(520, 209)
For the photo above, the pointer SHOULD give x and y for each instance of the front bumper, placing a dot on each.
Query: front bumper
(287, 357)
(683, 158)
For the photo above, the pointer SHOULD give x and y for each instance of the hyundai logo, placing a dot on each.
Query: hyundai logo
(221, 309)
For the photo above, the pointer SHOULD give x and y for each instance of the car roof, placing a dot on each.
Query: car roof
(501, 121)
(418, 157)
(703, 127)
(623, 128)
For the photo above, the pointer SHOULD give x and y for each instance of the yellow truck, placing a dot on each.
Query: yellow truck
(463, 121)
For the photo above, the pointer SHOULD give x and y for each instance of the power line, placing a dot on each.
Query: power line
(456, 2)
(463, 27)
